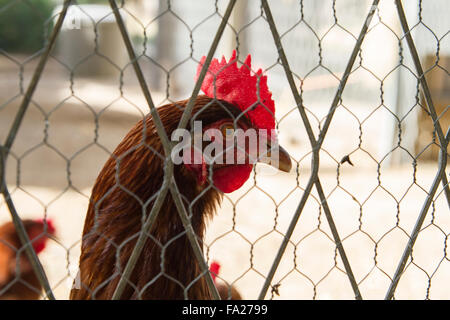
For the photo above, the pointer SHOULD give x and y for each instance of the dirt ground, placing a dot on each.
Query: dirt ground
(62, 145)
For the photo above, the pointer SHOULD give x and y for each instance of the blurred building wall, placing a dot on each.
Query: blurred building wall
(318, 37)
(88, 43)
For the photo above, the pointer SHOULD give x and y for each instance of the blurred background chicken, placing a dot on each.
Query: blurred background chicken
(17, 278)
(226, 291)
(115, 214)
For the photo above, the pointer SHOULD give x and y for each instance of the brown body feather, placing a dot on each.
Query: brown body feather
(116, 214)
(225, 293)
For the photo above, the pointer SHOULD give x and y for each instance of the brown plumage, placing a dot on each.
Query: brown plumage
(23, 285)
(115, 215)
(225, 293)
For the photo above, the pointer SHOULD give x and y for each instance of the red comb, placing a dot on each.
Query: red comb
(225, 81)
(214, 269)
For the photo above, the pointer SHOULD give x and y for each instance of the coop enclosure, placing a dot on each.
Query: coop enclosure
(361, 90)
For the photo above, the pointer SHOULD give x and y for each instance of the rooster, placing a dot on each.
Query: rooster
(17, 278)
(125, 189)
(226, 291)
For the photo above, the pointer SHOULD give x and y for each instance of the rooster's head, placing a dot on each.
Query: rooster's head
(39, 231)
(243, 129)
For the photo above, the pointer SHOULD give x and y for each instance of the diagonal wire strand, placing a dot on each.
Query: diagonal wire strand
(198, 252)
(139, 74)
(426, 90)
(183, 122)
(190, 105)
(164, 140)
(4, 151)
(442, 153)
(419, 222)
(316, 142)
(167, 148)
(316, 147)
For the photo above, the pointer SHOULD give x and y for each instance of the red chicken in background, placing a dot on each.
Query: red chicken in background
(125, 189)
(226, 291)
(23, 285)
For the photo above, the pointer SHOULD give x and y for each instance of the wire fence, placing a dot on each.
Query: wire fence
(362, 96)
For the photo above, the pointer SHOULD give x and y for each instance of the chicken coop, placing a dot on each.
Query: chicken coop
(360, 209)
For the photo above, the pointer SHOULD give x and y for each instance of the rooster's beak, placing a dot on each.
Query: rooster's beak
(282, 162)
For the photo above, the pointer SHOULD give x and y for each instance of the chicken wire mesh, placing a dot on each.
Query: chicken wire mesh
(363, 86)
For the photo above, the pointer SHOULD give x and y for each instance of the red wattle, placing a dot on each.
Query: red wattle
(229, 179)
(39, 245)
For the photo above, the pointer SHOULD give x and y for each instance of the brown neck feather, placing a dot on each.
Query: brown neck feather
(119, 206)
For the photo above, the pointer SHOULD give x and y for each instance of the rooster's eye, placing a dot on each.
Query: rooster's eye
(227, 130)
